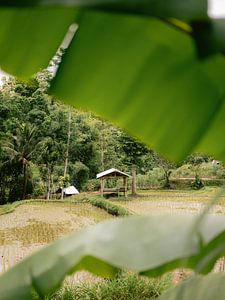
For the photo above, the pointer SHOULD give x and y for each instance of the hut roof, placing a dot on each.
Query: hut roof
(112, 172)
(70, 190)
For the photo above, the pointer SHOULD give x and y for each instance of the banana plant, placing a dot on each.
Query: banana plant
(155, 68)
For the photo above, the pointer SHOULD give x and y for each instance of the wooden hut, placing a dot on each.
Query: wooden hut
(115, 174)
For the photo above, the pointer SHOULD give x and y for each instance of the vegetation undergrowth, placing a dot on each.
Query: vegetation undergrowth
(111, 208)
(125, 287)
(9, 207)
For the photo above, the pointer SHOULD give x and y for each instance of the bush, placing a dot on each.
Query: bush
(197, 184)
(111, 208)
(204, 170)
(79, 175)
(92, 185)
(153, 179)
(38, 184)
(184, 171)
(210, 170)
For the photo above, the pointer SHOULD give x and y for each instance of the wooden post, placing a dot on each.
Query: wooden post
(49, 183)
(102, 186)
(125, 186)
(134, 180)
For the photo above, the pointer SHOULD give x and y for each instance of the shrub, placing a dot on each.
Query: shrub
(184, 171)
(79, 174)
(153, 179)
(210, 170)
(197, 184)
(39, 187)
(92, 185)
(206, 169)
(111, 208)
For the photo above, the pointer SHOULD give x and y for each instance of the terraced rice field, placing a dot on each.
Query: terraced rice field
(177, 202)
(34, 225)
(31, 226)
(174, 202)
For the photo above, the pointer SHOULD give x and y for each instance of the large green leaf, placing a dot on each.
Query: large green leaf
(171, 8)
(29, 38)
(123, 68)
(210, 287)
(209, 36)
(143, 244)
(190, 9)
(131, 70)
(143, 74)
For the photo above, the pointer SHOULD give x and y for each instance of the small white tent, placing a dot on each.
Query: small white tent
(70, 190)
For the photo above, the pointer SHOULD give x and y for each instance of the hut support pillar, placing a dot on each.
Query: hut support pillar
(134, 182)
(102, 187)
(125, 186)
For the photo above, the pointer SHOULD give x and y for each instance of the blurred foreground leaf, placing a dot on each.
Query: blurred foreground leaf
(209, 287)
(124, 69)
(29, 38)
(131, 62)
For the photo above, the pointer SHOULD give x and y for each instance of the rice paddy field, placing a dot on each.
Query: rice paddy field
(175, 202)
(33, 225)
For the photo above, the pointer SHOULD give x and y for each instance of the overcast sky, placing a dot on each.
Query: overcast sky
(216, 8)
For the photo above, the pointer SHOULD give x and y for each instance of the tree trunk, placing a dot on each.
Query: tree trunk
(67, 149)
(24, 180)
(102, 148)
(134, 180)
(52, 183)
(49, 183)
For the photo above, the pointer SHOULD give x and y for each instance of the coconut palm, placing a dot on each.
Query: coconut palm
(20, 149)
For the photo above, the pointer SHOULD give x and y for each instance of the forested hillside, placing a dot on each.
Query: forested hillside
(45, 145)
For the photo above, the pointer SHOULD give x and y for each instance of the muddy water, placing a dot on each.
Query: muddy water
(31, 226)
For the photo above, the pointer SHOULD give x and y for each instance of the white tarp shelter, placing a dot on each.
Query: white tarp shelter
(70, 190)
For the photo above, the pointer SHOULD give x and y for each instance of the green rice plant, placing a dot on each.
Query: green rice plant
(126, 286)
(10, 207)
(111, 208)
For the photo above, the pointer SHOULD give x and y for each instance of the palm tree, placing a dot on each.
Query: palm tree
(20, 149)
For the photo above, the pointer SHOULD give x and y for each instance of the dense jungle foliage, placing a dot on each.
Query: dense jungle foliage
(45, 145)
